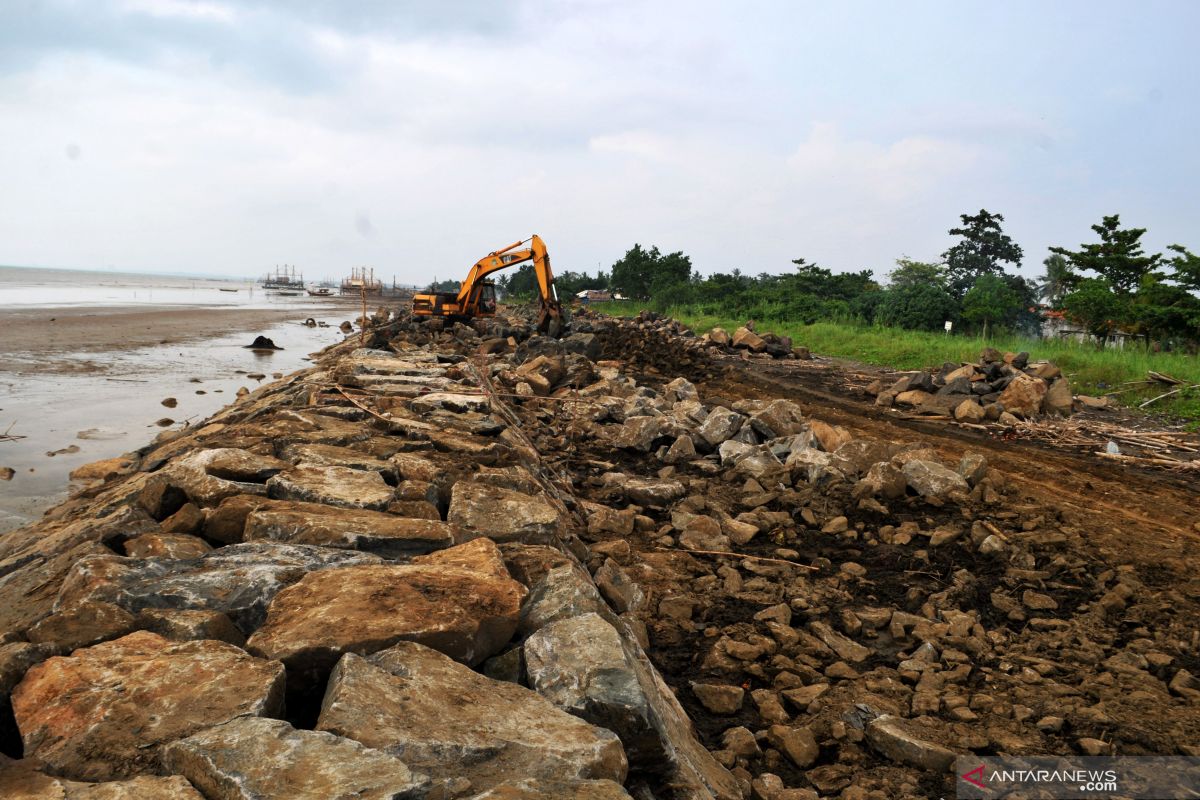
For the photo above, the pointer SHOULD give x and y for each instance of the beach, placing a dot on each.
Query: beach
(106, 372)
(76, 340)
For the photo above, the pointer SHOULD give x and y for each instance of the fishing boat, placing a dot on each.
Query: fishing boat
(228, 290)
(362, 281)
(320, 291)
(283, 278)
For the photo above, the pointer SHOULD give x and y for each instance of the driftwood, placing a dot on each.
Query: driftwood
(1168, 394)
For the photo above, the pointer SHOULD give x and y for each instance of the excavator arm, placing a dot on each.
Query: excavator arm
(473, 301)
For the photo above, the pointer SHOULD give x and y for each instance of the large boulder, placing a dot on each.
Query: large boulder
(746, 339)
(250, 758)
(643, 433)
(335, 486)
(446, 720)
(329, 455)
(720, 424)
(207, 477)
(238, 580)
(504, 515)
(1058, 399)
(931, 479)
(778, 418)
(104, 711)
(460, 601)
(352, 529)
(584, 666)
(1023, 396)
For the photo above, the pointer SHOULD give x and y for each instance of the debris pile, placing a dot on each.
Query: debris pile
(471, 562)
(1001, 387)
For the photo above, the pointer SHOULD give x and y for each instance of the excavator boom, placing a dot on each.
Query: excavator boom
(476, 297)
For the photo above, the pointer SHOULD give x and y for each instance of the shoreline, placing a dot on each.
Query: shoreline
(45, 340)
(98, 385)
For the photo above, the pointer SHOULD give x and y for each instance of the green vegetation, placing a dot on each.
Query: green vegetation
(1091, 371)
(1104, 288)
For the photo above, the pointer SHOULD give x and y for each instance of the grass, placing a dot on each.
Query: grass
(1091, 371)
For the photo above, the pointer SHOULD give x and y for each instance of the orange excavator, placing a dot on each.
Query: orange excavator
(477, 296)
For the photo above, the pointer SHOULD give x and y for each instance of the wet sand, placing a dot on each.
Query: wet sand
(91, 383)
(68, 340)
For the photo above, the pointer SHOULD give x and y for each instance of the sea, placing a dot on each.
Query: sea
(52, 423)
(32, 287)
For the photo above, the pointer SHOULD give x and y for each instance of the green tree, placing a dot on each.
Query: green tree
(917, 273)
(983, 248)
(918, 306)
(1097, 307)
(1058, 280)
(642, 272)
(1185, 267)
(990, 301)
(1118, 258)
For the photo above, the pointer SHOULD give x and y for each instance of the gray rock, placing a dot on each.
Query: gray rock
(652, 492)
(250, 758)
(563, 592)
(583, 666)
(618, 589)
(239, 580)
(778, 418)
(899, 740)
(335, 486)
(446, 720)
(720, 425)
(643, 433)
(930, 479)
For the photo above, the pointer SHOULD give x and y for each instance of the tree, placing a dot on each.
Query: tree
(1185, 267)
(1096, 307)
(1058, 280)
(920, 306)
(984, 246)
(641, 272)
(1118, 257)
(917, 273)
(989, 301)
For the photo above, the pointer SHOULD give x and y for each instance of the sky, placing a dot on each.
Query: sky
(224, 138)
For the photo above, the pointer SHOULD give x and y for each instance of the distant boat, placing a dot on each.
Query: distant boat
(228, 290)
(287, 294)
(320, 291)
(283, 278)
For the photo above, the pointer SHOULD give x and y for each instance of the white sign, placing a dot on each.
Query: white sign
(949, 325)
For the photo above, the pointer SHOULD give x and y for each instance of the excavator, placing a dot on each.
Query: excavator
(477, 297)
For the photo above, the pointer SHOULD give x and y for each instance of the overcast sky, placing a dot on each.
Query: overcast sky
(224, 138)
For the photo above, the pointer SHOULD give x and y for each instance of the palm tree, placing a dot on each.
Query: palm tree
(1058, 280)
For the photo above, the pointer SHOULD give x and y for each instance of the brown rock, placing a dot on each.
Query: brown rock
(1023, 397)
(1058, 399)
(746, 339)
(829, 437)
(798, 744)
(227, 521)
(504, 515)
(720, 336)
(184, 625)
(21, 780)
(351, 529)
(447, 720)
(719, 698)
(969, 411)
(103, 712)
(464, 605)
(166, 545)
(103, 470)
(188, 519)
(82, 625)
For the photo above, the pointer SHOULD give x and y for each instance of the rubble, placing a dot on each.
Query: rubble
(481, 563)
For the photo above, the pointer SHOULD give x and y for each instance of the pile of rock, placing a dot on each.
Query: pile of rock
(1000, 387)
(472, 562)
(746, 339)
